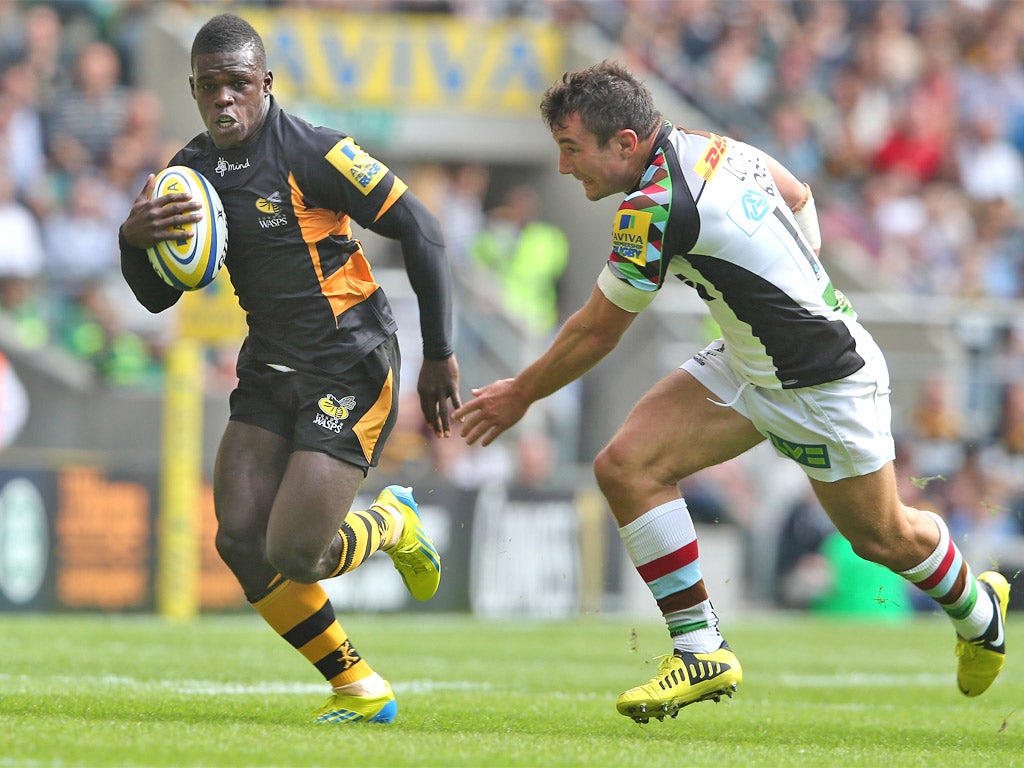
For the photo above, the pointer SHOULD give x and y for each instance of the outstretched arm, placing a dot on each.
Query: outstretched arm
(410, 223)
(585, 339)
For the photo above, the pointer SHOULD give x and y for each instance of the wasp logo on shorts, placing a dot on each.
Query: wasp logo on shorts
(815, 456)
(270, 211)
(334, 411)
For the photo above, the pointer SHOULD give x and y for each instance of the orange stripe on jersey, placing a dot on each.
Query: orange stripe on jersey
(354, 282)
(368, 428)
(397, 190)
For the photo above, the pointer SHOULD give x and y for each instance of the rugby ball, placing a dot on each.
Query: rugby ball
(190, 263)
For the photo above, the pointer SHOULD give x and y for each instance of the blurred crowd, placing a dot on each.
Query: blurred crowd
(906, 117)
(77, 137)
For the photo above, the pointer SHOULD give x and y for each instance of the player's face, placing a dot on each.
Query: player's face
(232, 93)
(603, 170)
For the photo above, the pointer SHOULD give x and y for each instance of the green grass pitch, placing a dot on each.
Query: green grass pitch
(225, 691)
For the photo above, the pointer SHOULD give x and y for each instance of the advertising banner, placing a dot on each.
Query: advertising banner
(424, 63)
(80, 538)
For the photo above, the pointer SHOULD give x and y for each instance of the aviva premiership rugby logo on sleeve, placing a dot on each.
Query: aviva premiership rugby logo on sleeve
(356, 165)
(629, 236)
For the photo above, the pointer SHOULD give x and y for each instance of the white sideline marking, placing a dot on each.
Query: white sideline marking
(866, 680)
(213, 688)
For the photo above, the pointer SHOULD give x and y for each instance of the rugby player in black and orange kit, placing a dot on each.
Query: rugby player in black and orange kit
(318, 386)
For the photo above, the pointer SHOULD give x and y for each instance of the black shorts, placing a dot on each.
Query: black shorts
(349, 416)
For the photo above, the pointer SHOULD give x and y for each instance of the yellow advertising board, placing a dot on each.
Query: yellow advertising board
(424, 63)
(212, 315)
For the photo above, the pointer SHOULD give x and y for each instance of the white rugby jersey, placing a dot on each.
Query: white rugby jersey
(707, 211)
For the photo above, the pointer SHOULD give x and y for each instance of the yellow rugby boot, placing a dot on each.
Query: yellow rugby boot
(414, 554)
(683, 678)
(981, 659)
(341, 708)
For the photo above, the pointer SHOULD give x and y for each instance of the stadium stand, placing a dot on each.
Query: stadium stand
(907, 118)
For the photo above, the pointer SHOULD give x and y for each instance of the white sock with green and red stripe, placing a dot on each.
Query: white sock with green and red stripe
(695, 629)
(662, 544)
(947, 578)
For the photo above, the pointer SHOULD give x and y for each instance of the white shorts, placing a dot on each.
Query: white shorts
(835, 430)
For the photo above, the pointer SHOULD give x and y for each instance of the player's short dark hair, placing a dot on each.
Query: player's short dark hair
(227, 33)
(608, 99)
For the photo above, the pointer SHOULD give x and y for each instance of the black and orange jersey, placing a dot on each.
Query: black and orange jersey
(290, 195)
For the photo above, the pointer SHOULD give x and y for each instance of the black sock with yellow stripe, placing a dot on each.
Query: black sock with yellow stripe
(303, 615)
(362, 532)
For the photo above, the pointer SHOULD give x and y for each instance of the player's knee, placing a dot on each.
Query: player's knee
(617, 467)
(897, 541)
(607, 472)
(884, 548)
(870, 548)
(294, 562)
(237, 551)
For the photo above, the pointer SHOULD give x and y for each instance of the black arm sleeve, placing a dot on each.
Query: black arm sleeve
(152, 292)
(419, 233)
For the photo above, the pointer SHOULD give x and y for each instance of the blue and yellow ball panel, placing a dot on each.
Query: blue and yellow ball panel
(190, 263)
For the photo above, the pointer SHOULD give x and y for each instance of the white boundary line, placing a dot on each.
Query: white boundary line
(216, 688)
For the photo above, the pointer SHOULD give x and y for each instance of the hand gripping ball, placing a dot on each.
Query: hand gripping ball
(190, 263)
